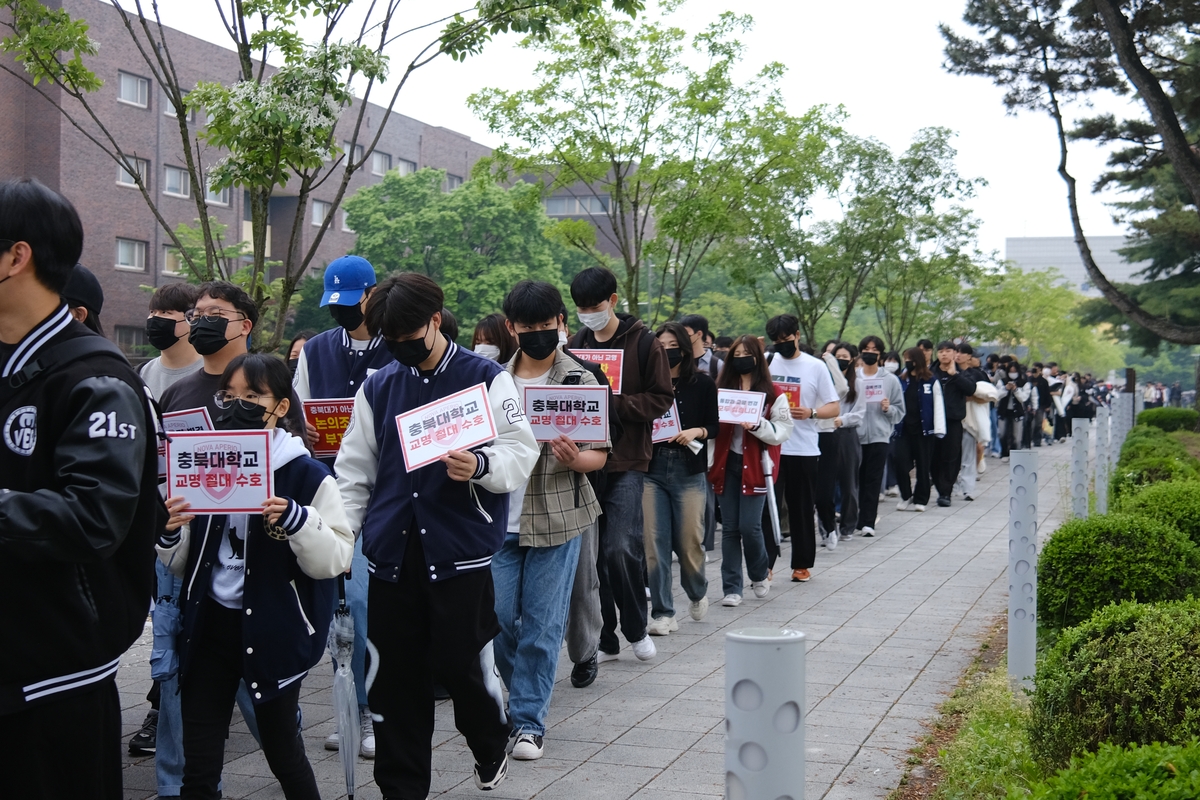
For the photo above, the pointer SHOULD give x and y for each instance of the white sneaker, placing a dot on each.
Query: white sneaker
(918, 508)
(529, 747)
(366, 732)
(981, 467)
(1004, 459)
(333, 741)
(602, 656)
(831, 542)
(868, 531)
(645, 649)
(699, 609)
(731, 600)
(893, 492)
(904, 505)
(882, 497)
(761, 588)
(661, 626)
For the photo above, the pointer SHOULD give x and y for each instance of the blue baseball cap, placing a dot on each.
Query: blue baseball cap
(346, 279)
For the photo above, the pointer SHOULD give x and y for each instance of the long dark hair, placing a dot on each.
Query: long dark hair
(851, 372)
(920, 370)
(687, 367)
(265, 374)
(491, 330)
(729, 379)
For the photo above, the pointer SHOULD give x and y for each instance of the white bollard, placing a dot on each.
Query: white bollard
(764, 714)
(1079, 470)
(1102, 433)
(1122, 416)
(1022, 566)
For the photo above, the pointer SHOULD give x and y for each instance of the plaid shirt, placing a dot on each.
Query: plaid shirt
(559, 502)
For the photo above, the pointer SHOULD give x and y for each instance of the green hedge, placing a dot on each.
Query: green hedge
(1170, 419)
(1177, 504)
(1146, 447)
(1130, 477)
(1129, 675)
(1162, 772)
(1089, 563)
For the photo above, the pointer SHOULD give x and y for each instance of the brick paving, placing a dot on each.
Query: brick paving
(891, 623)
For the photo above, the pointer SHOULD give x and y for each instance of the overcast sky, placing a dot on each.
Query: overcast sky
(879, 58)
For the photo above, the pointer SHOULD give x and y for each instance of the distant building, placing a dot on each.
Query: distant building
(1037, 253)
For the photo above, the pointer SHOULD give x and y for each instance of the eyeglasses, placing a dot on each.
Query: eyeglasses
(194, 317)
(249, 402)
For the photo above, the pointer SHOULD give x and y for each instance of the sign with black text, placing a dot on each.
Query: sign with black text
(225, 472)
(458, 421)
(578, 412)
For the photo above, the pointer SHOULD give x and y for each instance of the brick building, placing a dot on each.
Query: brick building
(124, 244)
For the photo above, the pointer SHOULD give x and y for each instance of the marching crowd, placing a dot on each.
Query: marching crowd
(464, 577)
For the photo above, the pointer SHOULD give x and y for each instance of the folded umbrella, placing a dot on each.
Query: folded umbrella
(345, 699)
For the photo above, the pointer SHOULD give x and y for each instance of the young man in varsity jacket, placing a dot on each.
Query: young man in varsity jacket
(79, 510)
(333, 365)
(429, 536)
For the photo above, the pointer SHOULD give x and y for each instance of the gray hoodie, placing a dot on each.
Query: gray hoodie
(877, 424)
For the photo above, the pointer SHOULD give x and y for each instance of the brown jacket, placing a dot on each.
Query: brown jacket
(646, 391)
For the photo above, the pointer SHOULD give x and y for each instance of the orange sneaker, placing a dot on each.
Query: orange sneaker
(800, 575)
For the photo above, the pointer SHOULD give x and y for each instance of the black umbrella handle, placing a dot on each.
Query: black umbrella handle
(342, 590)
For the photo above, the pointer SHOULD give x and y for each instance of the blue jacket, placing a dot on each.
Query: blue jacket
(922, 393)
(331, 369)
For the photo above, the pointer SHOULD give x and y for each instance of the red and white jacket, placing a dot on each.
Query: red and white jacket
(771, 432)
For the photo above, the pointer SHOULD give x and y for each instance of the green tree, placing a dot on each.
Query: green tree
(476, 241)
(273, 127)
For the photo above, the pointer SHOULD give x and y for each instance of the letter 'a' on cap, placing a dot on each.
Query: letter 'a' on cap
(346, 279)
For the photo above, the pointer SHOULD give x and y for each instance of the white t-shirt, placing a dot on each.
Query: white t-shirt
(816, 389)
(229, 576)
(516, 498)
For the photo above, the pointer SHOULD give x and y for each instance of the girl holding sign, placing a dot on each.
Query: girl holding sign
(269, 629)
(841, 469)
(737, 473)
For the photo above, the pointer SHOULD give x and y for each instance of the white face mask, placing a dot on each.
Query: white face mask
(1012, 375)
(488, 351)
(562, 338)
(596, 321)
(892, 367)
(1046, 372)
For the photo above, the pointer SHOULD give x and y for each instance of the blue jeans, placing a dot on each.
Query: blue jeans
(995, 443)
(741, 529)
(356, 601)
(533, 593)
(673, 506)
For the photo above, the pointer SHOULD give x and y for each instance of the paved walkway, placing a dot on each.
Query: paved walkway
(891, 623)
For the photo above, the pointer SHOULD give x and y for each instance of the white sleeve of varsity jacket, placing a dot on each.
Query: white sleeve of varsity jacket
(513, 453)
(324, 545)
(172, 548)
(358, 463)
(776, 428)
(300, 381)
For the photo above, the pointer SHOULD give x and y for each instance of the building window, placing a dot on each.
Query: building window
(593, 205)
(124, 177)
(133, 340)
(173, 262)
(568, 206)
(131, 255)
(453, 182)
(133, 90)
(218, 197)
(380, 163)
(406, 167)
(320, 211)
(346, 222)
(177, 182)
(355, 150)
(169, 107)
(560, 206)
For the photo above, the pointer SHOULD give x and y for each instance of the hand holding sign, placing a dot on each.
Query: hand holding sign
(873, 391)
(736, 407)
(445, 429)
(461, 465)
(565, 450)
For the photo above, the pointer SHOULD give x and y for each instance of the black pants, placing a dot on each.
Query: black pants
(421, 628)
(841, 471)
(798, 474)
(870, 482)
(947, 458)
(64, 748)
(206, 700)
(621, 564)
(913, 450)
(1009, 441)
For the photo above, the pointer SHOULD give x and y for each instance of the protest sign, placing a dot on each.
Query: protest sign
(735, 406)
(455, 422)
(666, 427)
(225, 472)
(610, 363)
(872, 389)
(330, 418)
(792, 390)
(192, 419)
(578, 412)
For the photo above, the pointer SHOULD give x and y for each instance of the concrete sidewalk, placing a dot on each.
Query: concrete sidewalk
(891, 622)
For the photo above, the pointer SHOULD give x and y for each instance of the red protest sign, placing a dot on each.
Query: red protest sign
(610, 363)
(331, 418)
(792, 390)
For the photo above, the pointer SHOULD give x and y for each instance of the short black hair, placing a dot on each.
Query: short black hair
(449, 324)
(532, 302)
(31, 212)
(966, 349)
(695, 322)
(875, 340)
(178, 296)
(781, 326)
(403, 304)
(235, 295)
(723, 341)
(946, 344)
(925, 343)
(265, 374)
(593, 286)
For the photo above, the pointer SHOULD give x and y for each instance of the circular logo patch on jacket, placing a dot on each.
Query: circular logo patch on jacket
(20, 430)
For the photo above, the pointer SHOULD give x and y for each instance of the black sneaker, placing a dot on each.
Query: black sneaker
(944, 502)
(489, 777)
(584, 673)
(143, 743)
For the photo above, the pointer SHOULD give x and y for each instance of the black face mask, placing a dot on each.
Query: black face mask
(292, 364)
(349, 317)
(870, 358)
(742, 365)
(160, 332)
(674, 357)
(843, 364)
(413, 352)
(786, 349)
(237, 418)
(908, 366)
(209, 337)
(538, 345)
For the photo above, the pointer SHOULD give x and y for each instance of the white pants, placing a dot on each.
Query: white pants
(968, 466)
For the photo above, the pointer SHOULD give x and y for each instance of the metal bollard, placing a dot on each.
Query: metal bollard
(1139, 405)
(1022, 566)
(764, 714)
(1079, 470)
(1122, 412)
(1102, 432)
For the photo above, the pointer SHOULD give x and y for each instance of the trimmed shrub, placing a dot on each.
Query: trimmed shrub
(1131, 476)
(1146, 447)
(1090, 563)
(1129, 675)
(1177, 504)
(1170, 419)
(1164, 772)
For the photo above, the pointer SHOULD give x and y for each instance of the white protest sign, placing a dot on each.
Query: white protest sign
(192, 419)
(666, 427)
(578, 412)
(872, 390)
(735, 406)
(226, 472)
(455, 422)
